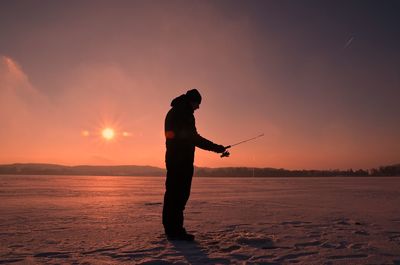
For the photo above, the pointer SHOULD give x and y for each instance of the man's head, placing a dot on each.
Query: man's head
(194, 98)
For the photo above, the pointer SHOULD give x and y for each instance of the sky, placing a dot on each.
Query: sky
(320, 79)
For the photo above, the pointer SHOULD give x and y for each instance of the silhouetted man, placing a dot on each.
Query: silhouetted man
(181, 139)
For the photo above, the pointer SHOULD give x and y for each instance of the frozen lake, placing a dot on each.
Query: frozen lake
(117, 220)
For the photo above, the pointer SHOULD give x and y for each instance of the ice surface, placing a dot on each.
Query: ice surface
(117, 220)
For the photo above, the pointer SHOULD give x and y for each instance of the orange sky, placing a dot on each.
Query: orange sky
(321, 101)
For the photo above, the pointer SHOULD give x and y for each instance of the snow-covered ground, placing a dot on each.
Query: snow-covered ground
(117, 220)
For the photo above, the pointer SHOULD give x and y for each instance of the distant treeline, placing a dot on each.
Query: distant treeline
(393, 170)
(132, 170)
(52, 169)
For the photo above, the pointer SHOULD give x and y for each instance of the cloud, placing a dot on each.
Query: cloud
(349, 41)
(19, 100)
(21, 107)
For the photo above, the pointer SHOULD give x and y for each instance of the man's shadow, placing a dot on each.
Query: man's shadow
(194, 253)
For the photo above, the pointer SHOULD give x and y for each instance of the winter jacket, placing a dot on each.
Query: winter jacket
(181, 134)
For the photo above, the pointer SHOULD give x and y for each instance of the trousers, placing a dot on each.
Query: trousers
(177, 191)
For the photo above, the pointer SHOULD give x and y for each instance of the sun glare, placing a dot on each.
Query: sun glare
(108, 133)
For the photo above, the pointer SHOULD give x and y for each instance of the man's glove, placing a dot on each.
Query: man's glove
(220, 149)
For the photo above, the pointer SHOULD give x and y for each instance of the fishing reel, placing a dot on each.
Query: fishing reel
(226, 153)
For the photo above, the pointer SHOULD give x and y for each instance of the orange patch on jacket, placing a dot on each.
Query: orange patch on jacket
(169, 134)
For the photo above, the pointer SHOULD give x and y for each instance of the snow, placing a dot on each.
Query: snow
(117, 220)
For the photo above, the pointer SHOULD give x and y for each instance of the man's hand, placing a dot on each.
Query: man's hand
(220, 149)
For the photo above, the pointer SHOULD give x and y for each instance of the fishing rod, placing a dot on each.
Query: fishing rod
(226, 153)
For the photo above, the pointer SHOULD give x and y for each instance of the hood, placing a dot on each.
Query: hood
(182, 102)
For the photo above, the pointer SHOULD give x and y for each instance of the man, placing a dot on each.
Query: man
(181, 139)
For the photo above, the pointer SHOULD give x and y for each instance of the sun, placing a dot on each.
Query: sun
(108, 133)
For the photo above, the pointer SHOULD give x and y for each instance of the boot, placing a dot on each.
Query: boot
(181, 235)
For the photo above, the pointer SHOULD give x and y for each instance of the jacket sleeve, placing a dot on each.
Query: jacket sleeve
(205, 144)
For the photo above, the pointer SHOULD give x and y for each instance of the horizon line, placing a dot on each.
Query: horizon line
(269, 167)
